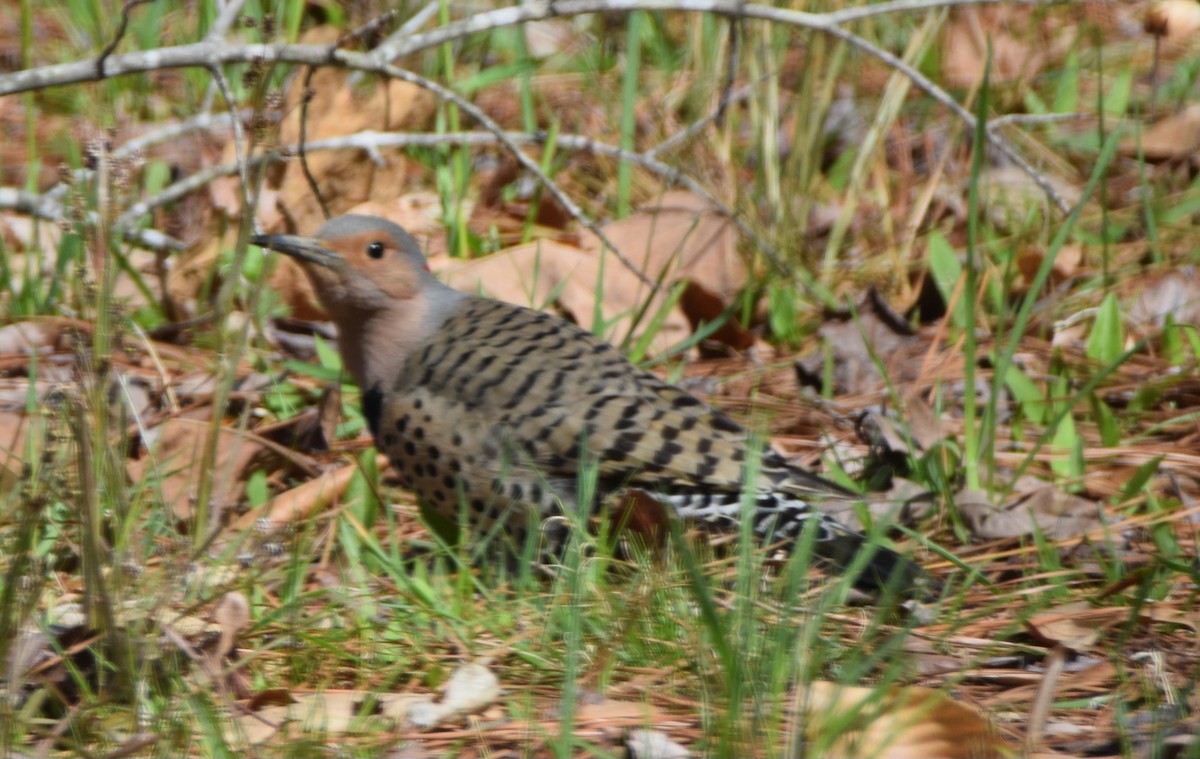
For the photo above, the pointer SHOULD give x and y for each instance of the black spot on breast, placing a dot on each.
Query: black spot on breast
(535, 492)
(372, 408)
(684, 401)
(410, 448)
(418, 403)
(478, 505)
(721, 422)
(389, 440)
(705, 445)
(419, 433)
(456, 440)
(515, 492)
(669, 433)
(448, 481)
(688, 423)
(402, 424)
(433, 452)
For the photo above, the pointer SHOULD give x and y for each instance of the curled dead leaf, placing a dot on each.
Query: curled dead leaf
(1069, 626)
(1177, 20)
(903, 722)
(1047, 510)
(471, 688)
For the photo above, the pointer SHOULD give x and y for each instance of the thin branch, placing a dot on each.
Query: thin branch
(372, 141)
(210, 54)
(225, 20)
(175, 131)
(698, 125)
(116, 40)
(47, 208)
(530, 165)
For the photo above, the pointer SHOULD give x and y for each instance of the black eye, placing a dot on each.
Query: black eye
(375, 249)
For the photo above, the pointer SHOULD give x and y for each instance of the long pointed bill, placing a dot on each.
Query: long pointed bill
(308, 249)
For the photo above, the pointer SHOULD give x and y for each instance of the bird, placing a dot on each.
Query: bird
(494, 410)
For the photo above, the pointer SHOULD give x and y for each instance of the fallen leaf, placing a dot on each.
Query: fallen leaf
(1004, 33)
(171, 463)
(1172, 137)
(1176, 293)
(471, 688)
(651, 744)
(1176, 20)
(1048, 510)
(902, 722)
(1068, 626)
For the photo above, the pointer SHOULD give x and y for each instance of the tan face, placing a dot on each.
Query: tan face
(378, 258)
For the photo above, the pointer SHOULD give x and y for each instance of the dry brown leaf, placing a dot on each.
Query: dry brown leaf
(347, 177)
(878, 330)
(1176, 20)
(29, 337)
(331, 712)
(905, 722)
(1176, 293)
(176, 448)
(1066, 262)
(303, 500)
(1069, 626)
(1016, 53)
(1055, 514)
(681, 238)
(1171, 137)
(471, 688)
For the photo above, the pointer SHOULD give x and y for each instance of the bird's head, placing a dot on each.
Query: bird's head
(373, 280)
(357, 263)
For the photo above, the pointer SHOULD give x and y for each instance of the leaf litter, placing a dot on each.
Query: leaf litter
(996, 657)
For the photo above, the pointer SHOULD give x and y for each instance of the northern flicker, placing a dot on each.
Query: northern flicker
(490, 407)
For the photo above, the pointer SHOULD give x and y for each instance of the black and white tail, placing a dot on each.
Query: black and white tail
(781, 517)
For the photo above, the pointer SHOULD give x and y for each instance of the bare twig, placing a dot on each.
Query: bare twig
(48, 208)
(306, 98)
(302, 149)
(731, 69)
(699, 124)
(116, 40)
(210, 54)
(373, 141)
(526, 162)
(225, 19)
